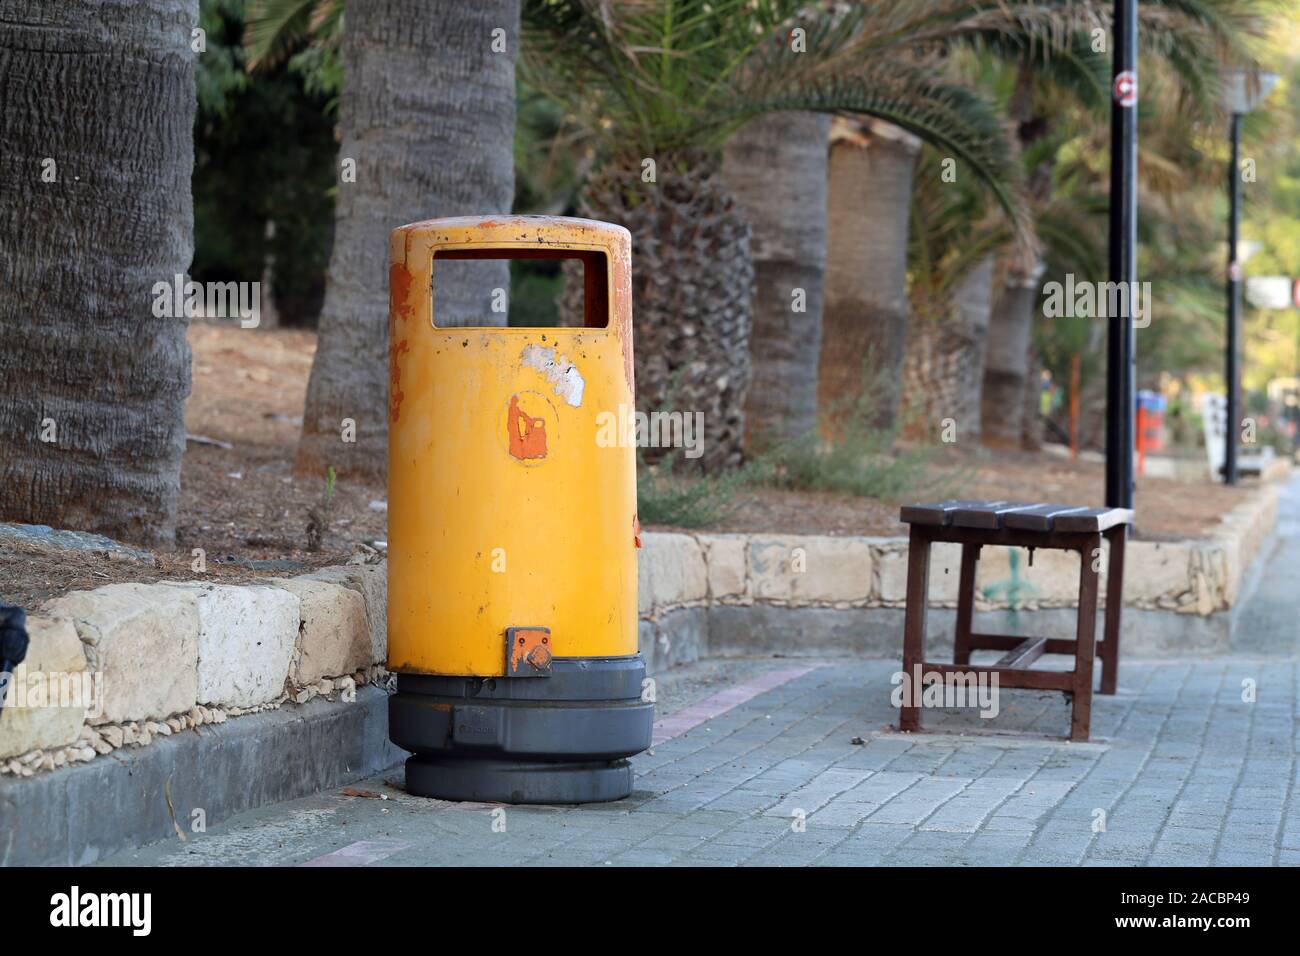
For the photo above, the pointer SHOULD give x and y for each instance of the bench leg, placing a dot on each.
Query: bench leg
(1085, 643)
(1114, 609)
(918, 598)
(970, 555)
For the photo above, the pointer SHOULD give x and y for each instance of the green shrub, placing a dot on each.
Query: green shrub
(859, 460)
(686, 498)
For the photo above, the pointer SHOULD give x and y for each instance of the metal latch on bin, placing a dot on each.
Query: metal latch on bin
(528, 652)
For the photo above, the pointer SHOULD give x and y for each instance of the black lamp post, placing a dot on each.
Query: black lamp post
(1243, 91)
(1120, 353)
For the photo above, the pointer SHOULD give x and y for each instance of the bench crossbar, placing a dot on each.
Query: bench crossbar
(1024, 653)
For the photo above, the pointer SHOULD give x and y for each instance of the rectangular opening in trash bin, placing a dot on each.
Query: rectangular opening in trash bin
(486, 288)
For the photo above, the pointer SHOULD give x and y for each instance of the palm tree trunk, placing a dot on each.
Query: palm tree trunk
(1006, 364)
(692, 289)
(776, 168)
(974, 303)
(1092, 412)
(97, 104)
(864, 323)
(428, 118)
(944, 361)
(1031, 432)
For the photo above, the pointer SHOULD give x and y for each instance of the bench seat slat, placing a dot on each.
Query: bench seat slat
(940, 513)
(1040, 517)
(1015, 515)
(990, 515)
(1093, 519)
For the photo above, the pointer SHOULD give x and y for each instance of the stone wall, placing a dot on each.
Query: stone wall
(1191, 577)
(720, 594)
(127, 663)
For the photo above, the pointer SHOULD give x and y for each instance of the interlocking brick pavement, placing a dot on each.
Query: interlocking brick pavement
(1182, 771)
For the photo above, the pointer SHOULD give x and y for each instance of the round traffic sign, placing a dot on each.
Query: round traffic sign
(1126, 88)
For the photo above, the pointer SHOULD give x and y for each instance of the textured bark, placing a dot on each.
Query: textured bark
(104, 89)
(692, 290)
(864, 323)
(776, 168)
(1006, 364)
(943, 370)
(428, 115)
(1092, 412)
(974, 302)
(1031, 426)
(1020, 369)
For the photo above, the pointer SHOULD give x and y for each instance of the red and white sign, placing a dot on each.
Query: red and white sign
(1126, 88)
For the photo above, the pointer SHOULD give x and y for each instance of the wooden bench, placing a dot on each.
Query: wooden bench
(1020, 524)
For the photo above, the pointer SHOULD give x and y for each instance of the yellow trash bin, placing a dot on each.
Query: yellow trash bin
(512, 606)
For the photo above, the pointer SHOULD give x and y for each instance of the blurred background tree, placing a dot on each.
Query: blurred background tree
(660, 88)
(264, 167)
(1037, 63)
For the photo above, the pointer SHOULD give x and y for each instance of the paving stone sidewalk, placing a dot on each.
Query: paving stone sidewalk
(1193, 763)
(1184, 772)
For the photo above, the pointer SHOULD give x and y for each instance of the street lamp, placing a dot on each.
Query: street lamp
(1243, 90)
(1121, 358)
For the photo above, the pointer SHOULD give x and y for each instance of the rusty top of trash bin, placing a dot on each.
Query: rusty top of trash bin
(511, 231)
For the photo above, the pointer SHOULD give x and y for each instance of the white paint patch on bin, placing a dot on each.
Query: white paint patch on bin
(559, 371)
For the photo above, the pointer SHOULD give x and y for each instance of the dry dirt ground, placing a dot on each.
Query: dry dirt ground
(243, 504)
(1166, 509)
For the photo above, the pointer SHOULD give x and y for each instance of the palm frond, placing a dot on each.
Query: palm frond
(680, 75)
(275, 29)
(952, 230)
(955, 120)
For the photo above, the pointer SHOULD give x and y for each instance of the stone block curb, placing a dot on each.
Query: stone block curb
(85, 813)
